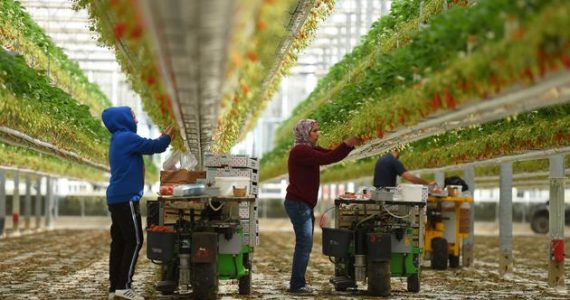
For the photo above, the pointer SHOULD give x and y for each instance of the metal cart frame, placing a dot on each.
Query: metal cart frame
(384, 244)
(213, 241)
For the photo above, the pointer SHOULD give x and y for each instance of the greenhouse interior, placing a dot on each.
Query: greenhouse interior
(284, 149)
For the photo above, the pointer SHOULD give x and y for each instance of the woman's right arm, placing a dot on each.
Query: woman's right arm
(310, 156)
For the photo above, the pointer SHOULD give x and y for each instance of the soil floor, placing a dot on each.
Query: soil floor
(71, 262)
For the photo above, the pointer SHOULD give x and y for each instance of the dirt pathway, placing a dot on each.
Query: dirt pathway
(72, 264)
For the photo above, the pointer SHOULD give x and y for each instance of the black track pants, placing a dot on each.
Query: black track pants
(126, 242)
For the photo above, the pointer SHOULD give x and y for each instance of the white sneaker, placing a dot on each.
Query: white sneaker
(111, 296)
(128, 294)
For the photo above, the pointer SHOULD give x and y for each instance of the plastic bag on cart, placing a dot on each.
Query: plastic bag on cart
(180, 160)
(188, 161)
(171, 161)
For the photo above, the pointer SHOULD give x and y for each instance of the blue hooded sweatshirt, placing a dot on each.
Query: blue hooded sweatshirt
(125, 155)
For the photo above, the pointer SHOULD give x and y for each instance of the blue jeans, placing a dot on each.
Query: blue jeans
(303, 220)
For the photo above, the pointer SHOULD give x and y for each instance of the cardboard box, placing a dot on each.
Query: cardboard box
(180, 176)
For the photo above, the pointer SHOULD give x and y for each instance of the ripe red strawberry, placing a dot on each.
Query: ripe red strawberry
(435, 102)
(119, 30)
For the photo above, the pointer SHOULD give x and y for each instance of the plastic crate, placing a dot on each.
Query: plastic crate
(212, 173)
(228, 160)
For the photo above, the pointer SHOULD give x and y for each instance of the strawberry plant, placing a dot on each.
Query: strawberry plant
(387, 33)
(241, 108)
(19, 33)
(17, 157)
(538, 130)
(121, 28)
(32, 106)
(390, 96)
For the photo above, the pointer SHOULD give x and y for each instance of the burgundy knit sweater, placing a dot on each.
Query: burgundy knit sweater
(304, 173)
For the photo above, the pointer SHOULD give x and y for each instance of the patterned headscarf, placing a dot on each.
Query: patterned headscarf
(303, 132)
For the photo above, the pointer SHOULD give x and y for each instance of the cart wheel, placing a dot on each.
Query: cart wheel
(205, 281)
(453, 261)
(340, 267)
(439, 254)
(539, 223)
(340, 288)
(379, 278)
(414, 283)
(244, 283)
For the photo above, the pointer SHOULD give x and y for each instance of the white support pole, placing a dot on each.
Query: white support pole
(556, 222)
(265, 202)
(38, 209)
(469, 243)
(55, 199)
(82, 206)
(16, 202)
(28, 202)
(2, 201)
(506, 219)
(439, 178)
(49, 197)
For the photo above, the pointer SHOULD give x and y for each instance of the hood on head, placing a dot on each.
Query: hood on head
(119, 119)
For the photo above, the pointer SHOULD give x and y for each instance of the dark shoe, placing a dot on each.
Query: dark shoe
(303, 290)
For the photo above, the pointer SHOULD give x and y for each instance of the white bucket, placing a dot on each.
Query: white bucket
(413, 192)
(226, 184)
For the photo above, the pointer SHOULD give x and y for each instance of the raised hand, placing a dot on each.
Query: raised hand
(170, 131)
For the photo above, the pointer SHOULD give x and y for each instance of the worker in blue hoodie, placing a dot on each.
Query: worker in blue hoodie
(124, 192)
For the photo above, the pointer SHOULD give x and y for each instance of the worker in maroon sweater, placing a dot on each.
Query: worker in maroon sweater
(305, 158)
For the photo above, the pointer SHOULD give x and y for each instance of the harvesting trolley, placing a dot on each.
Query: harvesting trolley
(209, 240)
(376, 239)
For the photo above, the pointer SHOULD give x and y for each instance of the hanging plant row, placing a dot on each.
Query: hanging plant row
(386, 34)
(262, 71)
(547, 128)
(20, 34)
(529, 49)
(120, 27)
(17, 157)
(390, 96)
(32, 106)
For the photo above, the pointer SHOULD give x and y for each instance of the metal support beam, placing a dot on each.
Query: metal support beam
(556, 222)
(469, 243)
(16, 202)
(48, 207)
(2, 201)
(506, 219)
(38, 209)
(55, 198)
(28, 203)
(82, 204)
